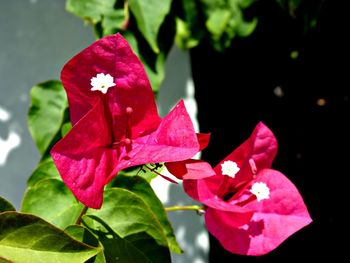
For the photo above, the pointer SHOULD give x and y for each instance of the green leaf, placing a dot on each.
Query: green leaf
(117, 249)
(6, 205)
(149, 16)
(225, 20)
(246, 3)
(45, 170)
(53, 201)
(136, 170)
(246, 28)
(148, 173)
(90, 10)
(26, 238)
(183, 38)
(84, 235)
(133, 220)
(217, 22)
(189, 28)
(66, 127)
(142, 188)
(113, 21)
(46, 113)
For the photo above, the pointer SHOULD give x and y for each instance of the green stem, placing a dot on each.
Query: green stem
(83, 212)
(127, 16)
(197, 208)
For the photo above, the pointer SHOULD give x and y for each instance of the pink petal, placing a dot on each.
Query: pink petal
(203, 139)
(83, 159)
(261, 147)
(111, 55)
(274, 219)
(190, 169)
(174, 140)
(199, 191)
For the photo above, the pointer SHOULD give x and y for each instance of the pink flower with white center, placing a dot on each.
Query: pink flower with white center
(119, 126)
(254, 211)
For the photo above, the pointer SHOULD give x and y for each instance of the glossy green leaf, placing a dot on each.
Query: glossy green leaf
(82, 234)
(142, 188)
(46, 113)
(149, 16)
(45, 170)
(26, 238)
(133, 220)
(53, 201)
(116, 249)
(6, 205)
(90, 10)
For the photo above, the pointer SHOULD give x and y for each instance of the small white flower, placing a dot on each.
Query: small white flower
(102, 82)
(261, 191)
(229, 168)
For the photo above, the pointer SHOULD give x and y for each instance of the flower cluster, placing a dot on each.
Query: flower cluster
(249, 207)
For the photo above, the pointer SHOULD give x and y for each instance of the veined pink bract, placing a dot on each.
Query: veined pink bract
(192, 168)
(250, 208)
(115, 120)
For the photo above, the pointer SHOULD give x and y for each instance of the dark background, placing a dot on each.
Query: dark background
(304, 101)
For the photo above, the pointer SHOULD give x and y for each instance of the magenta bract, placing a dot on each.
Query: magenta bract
(115, 120)
(250, 208)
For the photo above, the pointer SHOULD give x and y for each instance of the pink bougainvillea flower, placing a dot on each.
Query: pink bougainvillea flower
(115, 120)
(250, 208)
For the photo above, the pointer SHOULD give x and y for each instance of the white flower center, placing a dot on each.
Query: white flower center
(229, 168)
(102, 82)
(261, 191)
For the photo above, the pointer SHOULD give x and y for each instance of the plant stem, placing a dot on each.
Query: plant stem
(83, 212)
(197, 208)
(153, 170)
(126, 14)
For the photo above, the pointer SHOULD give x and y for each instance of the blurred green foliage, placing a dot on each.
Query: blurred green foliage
(152, 27)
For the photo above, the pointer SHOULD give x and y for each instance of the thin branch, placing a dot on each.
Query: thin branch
(197, 208)
(83, 212)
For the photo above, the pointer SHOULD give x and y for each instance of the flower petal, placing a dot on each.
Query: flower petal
(261, 147)
(274, 219)
(82, 158)
(190, 169)
(199, 191)
(203, 139)
(111, 55)
(174, 140)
